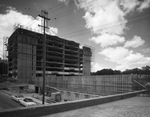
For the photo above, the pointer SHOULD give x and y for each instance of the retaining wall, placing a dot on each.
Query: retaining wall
(99, 85)
(38, 111)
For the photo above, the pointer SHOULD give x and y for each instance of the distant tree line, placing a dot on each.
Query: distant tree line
(143, 70)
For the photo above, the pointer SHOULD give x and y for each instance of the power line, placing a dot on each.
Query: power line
(56, 7)
(59, 6)
(70, 11)
(64, 12)
(129, 17)
(81, 32)
(84, 31)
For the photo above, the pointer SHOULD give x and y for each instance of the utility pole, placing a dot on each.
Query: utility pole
(44, 15)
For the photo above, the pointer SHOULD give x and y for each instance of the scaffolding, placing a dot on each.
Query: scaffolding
(5, 46)
(99, 85)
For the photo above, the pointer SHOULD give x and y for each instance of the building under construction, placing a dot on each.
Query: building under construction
(63, 57)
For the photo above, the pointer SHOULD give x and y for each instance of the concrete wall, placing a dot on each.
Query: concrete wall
(31, 87)
(142, 79)
(26, 65)
(65, 106)
(87, 54)
(70, 96)
(100, 85)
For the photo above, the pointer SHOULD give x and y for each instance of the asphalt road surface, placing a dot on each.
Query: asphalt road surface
(7, 103)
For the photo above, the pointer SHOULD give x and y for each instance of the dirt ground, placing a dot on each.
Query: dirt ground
(132, 107)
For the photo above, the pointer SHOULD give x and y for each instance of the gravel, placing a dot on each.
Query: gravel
(131, 107)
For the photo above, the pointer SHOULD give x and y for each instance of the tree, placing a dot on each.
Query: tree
(143, 70)
(107, 72)
(146, 69)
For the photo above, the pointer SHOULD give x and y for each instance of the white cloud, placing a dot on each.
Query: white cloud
(103, 16)
(135, 42)
(140, 62)
(8, 20)
(115, 54)
(65, 1)
(95, 67)
(146, 50)
(107, 19)
(12, 17)
(144, 4)
(122, 67)
(129, 5)
(108, 16)
(132, 5)
(125, 58)
(106, 40)
(53, 31)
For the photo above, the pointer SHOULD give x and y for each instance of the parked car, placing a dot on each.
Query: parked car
(27, 102)
(17, 97)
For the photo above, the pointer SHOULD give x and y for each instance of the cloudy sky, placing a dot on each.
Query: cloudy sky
(118, 31)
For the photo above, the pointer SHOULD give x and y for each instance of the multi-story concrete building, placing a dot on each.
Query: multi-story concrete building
(3, 67)
(63, 57)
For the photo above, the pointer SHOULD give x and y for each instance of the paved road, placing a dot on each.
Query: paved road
(7, 103)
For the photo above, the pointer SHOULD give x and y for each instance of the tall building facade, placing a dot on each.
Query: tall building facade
(3, 67)
(63, 57)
